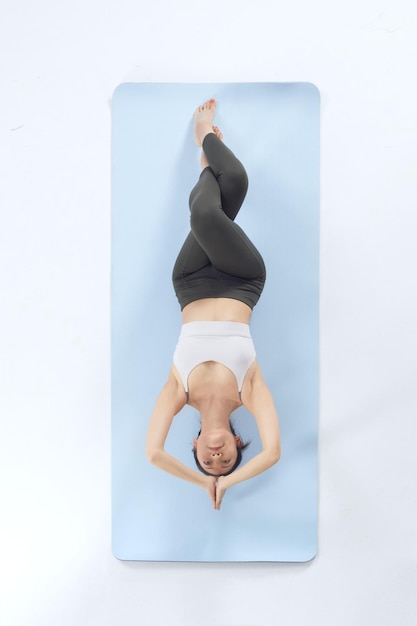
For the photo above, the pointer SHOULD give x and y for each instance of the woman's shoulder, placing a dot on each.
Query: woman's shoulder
(254, 372)
(174, 379)
(172, 393)
(253, 375)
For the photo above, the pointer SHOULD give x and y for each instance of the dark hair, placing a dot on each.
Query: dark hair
(238, 459)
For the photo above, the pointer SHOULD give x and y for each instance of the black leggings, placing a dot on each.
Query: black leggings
(218, 259)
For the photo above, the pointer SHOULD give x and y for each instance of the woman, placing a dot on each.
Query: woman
(218, 278)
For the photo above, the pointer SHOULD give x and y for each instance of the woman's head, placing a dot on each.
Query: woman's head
(218, 452)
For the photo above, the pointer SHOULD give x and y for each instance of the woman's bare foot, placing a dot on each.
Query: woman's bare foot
(203, 120)
(216, 130)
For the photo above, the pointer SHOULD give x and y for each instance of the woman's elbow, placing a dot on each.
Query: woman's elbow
(152, 455)
(275, 454)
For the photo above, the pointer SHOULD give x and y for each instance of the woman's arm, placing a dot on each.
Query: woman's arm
(170, 401)
(258, 400)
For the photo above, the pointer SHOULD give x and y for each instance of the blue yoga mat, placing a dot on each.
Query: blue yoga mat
(273, 129)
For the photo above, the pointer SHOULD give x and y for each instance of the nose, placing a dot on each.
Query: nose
(214, 454)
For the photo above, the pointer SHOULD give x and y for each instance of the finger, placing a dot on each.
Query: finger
(218, 499)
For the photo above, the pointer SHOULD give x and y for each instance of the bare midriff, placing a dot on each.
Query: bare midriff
(216, 310)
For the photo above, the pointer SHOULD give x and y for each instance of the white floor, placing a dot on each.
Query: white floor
(59, 64)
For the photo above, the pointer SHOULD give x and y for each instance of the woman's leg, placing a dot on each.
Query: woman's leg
(214, 203)
(224, 243)
(222, 185)
(190, 259)
(228, 171)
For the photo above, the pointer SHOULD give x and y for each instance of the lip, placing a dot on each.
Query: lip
(215, 449)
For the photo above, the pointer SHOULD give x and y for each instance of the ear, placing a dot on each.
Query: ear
(195, 444)
(238, 441)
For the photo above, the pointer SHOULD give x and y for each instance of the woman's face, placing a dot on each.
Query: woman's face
(217, 450)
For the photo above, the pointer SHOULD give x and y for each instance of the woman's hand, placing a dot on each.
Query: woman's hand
(210, 487)
(221, 486)
(216, 488)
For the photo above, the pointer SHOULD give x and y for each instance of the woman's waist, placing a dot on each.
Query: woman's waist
(217, 310)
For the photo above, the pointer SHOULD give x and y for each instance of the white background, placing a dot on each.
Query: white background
(60, 62)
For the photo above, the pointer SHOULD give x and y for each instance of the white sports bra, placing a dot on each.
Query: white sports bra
(228, 343)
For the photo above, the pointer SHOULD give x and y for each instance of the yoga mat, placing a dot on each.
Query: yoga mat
(273, 129)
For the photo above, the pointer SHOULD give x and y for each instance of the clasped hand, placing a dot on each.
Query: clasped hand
(216, 488)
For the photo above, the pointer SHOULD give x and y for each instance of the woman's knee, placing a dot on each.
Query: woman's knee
(235, 177)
